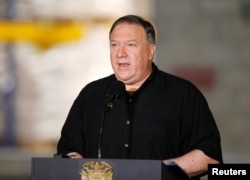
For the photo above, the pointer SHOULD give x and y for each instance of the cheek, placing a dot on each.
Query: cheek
(111, 52)
(112, 55)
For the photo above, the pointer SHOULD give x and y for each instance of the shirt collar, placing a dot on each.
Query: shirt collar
(149, 79)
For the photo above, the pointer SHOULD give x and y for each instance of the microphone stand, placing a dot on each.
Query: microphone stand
(100, 135)
(110, 102)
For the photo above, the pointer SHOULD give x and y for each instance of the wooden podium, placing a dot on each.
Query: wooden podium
(103, 169)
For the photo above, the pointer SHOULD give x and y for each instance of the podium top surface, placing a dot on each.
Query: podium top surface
(103, 169)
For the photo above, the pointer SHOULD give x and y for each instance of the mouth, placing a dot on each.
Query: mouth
(123, 65)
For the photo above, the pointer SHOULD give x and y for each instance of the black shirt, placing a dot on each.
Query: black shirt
(167, 117)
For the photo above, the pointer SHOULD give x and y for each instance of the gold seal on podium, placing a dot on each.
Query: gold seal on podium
(96, 171)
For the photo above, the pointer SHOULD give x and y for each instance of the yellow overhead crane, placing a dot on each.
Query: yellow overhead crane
(43, 33)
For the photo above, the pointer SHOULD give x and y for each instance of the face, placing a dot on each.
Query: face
(131, 54)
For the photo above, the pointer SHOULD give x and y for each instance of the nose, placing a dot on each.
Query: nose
(121, 52)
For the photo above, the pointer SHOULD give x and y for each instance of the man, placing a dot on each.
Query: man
(152, 115)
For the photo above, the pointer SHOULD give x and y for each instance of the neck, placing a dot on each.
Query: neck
(134, 87)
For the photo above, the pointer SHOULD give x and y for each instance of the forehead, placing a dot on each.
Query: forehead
(128, 30)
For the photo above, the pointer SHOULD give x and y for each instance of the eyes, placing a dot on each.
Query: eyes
(117, 45)
(131, 44)
(113, 45)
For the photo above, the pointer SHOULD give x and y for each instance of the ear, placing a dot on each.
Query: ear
(151, 51)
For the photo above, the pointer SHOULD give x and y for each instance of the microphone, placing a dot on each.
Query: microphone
(114, 92)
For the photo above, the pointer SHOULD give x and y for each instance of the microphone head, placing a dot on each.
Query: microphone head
(116, 88)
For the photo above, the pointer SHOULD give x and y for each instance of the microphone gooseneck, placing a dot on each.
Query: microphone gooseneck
(114, 92)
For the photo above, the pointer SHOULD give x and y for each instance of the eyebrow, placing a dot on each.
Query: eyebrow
(132, 40)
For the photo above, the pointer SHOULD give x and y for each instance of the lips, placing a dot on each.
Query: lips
(123, 65)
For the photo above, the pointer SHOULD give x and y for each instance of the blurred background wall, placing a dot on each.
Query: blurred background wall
(50, 49)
